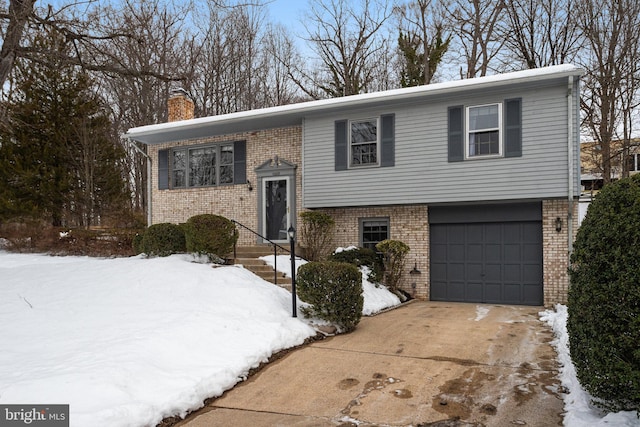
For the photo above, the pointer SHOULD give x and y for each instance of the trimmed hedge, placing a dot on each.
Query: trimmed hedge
(334, 290)
(604, 297)
(360, 257)
(163, 239)
(211, 235)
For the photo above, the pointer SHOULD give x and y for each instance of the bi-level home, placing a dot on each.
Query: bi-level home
(480, 177)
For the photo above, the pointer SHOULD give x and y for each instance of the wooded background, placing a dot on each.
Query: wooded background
(77, 74)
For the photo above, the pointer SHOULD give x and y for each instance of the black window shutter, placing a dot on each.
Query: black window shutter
(513, 127)
(163, 169)
(240, 162)
(341, 149)
(455, 127)
(388, 140)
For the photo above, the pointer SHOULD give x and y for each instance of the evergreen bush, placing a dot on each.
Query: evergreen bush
(334, 290)
(604, 297)
(394, 254)
(210, 235)
(360, 257)
(316, 234)
(163, 239)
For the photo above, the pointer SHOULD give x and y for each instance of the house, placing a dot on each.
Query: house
(625, 159)
(480, 177)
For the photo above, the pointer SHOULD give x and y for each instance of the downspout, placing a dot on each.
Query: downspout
(135, 146)
(570, 154)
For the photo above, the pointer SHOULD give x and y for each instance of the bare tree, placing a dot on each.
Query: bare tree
(423, 40)
(346, 40)
(542, 32)
(611, 29)
(476, 24)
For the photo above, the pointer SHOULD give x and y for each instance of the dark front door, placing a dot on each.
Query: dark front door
(276, 209)
(487, 262)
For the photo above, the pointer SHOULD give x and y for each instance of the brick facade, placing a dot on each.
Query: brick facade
(408, 224)
(236, 201)
(555, 249)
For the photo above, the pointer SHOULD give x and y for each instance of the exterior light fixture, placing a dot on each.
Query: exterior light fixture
(249, 186)
(558, 224)
(291, 232)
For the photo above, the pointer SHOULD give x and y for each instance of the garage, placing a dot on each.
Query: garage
(486, 253)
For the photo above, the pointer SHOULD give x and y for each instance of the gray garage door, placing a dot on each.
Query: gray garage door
(487, 253)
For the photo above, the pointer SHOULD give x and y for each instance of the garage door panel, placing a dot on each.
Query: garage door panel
(474, 292)
(494, 262)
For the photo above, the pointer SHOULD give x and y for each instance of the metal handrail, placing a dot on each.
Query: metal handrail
(275, 250)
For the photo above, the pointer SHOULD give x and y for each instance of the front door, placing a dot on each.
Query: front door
(276, 199)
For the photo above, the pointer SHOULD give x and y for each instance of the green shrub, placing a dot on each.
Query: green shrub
(334, 290)
(137, 244)
(604, 297)
(394, 254)
(360, 257)
(163, 239)
(210, 235)
(316, 234)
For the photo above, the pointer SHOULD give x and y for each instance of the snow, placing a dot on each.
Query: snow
(130, 341)
(376, 297)
(579, 412)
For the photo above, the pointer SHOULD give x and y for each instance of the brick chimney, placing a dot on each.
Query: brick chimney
(180, 105)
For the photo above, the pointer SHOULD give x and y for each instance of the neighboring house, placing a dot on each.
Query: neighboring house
(480, 177)
(625, 158)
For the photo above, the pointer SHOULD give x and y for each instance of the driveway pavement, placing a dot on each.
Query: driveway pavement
(426, 363)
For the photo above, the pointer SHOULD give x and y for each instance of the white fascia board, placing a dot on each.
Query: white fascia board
(301, 109)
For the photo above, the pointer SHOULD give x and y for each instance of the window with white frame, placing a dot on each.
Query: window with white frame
(202, 166)
(363, 142)
(483, 136)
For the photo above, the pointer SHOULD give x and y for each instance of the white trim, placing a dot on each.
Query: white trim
(350, 153)
(467, 131)
(287, 179)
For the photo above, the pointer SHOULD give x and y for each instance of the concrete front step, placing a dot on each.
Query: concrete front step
(248, 257)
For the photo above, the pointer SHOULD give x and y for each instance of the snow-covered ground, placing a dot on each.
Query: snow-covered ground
(579, 412)
(129, 341)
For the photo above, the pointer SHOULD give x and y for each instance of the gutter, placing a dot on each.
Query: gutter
(570, 155)
(135, 146)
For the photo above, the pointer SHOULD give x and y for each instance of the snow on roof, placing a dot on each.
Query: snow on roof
(297, 111)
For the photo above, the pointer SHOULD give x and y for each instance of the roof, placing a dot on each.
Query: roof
(293, 114)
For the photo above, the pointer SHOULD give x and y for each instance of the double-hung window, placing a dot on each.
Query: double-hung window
(373, 231)
(363, 142)
(202, 166)
(484, 136)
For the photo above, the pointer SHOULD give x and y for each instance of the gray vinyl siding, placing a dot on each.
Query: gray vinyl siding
(422, 172)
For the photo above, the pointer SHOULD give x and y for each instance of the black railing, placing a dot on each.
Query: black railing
(264, 239)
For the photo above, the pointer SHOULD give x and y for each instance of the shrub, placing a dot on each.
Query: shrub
(137, 243)
(603, 302)
(316, 234)
(360, 257)
(334, 290)
(163, 239)
(210, 235)
(394, 253)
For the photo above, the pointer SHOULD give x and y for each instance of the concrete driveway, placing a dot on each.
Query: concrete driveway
(426, 363)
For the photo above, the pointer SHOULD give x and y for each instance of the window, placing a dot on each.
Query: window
(483, 130)
(202, 166)
(633, 163)
(373, 231)
(364, 142)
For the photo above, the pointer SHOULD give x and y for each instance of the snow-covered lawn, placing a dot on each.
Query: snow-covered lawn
(129, 341)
